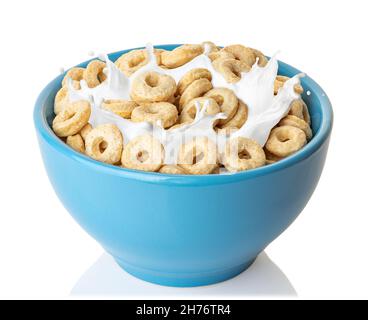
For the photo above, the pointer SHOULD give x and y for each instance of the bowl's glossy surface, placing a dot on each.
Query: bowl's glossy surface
(184, 230)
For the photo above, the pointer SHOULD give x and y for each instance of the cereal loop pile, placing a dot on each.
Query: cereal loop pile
(159, 99)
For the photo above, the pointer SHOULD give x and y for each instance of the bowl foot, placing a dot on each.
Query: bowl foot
(183, 279)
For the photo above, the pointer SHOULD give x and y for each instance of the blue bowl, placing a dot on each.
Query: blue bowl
(184, 230)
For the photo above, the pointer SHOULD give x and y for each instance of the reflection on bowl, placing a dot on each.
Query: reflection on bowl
(184, 230)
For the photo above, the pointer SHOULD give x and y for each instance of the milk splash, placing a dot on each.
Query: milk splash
(255, 89)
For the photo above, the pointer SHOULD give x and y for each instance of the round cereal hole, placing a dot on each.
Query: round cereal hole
(294, 121)
(152, 87)
(105, 143)
(243, 154)
(133, 60)
(198, 156)
(143, 153)
(72, 118)
(284, 141)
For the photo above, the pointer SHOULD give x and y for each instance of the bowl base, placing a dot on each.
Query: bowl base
(183, 279)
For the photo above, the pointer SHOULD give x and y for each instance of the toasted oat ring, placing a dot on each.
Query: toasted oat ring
(299, 109)
(76, 74)
(227, 101)
(152, 87)
(190, 77)
(180, 55)
(279, 83)
(172, 169)
(271, 158)
(222, 54)
(76, 142)
(93, 74)
(85, 131)
(196, 89)
(159, 111)
(189, 111)
(243, 154)
(133, 60)
(198, 156)
(230, 69)
(296, 122)
(61, 100)
(105, 143)
(247, 55)
(123, 108)
(72, 118)
(143, 153)
(285, 140)
(239, 118)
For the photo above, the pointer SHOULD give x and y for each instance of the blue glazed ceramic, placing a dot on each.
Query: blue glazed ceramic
(184, 230)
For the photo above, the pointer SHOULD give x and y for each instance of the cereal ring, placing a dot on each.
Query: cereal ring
(189, 111)
(243, 154)
(285, 140)
(190, 77)
(76, 74)
(199, 156)
(152, 87)
(172, 169)
(133, 60)
(296, 122)
(227, 101)
(143, 153)
(196, 89)
(93, 75)
(61, 100)
(76, 142)
(230, 69)
(220, 55)
(123, 108)
(105, 143)
(299, 109)
(85, 130)
(72, 118)
(239, 118)
(159, 111)
(279, 83)
(247, 55)
(180, 55)
(271, 158)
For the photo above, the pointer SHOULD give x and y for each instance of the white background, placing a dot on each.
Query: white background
(44, 253)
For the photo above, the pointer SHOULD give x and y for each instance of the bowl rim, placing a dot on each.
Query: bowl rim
(322, 134)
